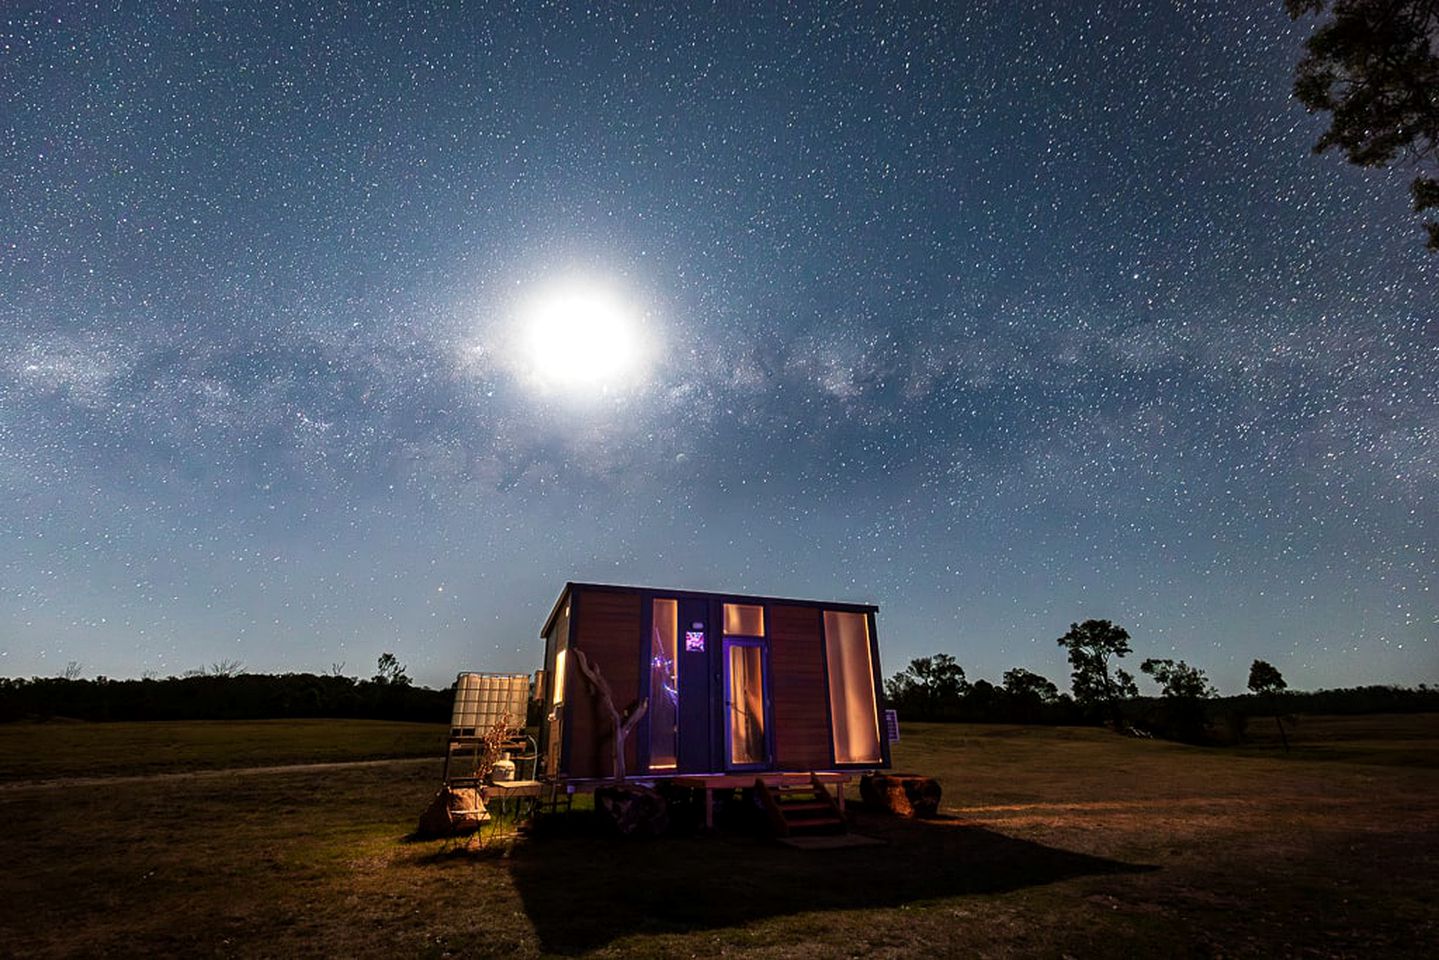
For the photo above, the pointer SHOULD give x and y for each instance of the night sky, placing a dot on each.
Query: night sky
(998, 315)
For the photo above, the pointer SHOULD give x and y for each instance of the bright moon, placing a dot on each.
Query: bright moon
(582, 338)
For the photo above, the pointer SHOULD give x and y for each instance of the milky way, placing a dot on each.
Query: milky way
(998, 315)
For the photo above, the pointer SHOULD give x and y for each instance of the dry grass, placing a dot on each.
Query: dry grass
(41, 751)
(1056, 842)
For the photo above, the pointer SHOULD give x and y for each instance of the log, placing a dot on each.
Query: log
(907, 794)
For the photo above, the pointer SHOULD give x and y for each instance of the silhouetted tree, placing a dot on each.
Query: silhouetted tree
(1373, 66)
(929, 686)
(984, 700)
(1177, 679)
(390, 671)
(1024, 684)
(226, 668)
(1265, 678)
(220, 668)
(1266, 681)
(1090, 646)
(1183, 689)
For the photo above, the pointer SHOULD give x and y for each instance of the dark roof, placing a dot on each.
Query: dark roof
(708, 594)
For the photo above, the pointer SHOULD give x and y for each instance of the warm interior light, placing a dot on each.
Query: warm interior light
(559, 695)
(664, 685)
(852, 706)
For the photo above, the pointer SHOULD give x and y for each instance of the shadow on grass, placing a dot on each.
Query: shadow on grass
(582, 890)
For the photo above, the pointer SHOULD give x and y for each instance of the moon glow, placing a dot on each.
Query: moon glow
(582, 338)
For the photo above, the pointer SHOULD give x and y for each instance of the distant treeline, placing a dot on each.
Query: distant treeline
(239, 696)
(1188, 708)
(932, 688)
(983, 702)
(1344, 701)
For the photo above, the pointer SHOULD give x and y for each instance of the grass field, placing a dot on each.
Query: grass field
(1055, 842)
(41, 751)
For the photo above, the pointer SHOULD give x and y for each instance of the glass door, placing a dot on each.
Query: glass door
(664, 717)
(746, 704)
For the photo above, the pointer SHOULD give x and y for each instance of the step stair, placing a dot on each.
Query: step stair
(801, 808)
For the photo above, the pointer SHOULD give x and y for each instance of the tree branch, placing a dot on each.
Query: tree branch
(622, 727)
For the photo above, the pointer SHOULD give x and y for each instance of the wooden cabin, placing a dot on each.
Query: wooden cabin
(730, 684)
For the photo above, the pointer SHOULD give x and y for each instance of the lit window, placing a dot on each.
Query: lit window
(851, 688)
(743, 620)
(560, 677)
(664, 685)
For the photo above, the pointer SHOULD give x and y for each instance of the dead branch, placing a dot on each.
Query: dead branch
(622, 727)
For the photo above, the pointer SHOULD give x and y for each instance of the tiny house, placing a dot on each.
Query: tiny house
(723, 684)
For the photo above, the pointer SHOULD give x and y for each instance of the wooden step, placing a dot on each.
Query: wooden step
(808, 808)
(791, 808)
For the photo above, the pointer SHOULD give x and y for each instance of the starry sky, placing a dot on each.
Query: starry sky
(999, 315)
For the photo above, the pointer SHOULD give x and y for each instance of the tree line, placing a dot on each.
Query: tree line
(1187, 706)
(223, 691)
(930, 688)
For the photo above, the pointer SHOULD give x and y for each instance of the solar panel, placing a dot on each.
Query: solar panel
(485, 699)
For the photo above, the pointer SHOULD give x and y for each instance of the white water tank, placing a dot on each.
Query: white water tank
(485, 699)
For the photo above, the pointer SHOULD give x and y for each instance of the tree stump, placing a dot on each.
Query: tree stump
(633, 811)
(907, 794)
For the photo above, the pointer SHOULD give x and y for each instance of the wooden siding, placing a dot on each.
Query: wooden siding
(799, 699)
(607, 628)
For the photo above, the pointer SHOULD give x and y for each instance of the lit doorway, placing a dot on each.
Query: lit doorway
(746, 704)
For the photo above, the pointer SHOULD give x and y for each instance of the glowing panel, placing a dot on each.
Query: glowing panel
(560, 659)
(851, 688)
(746, 704)
(664, 685)
(743, 620)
